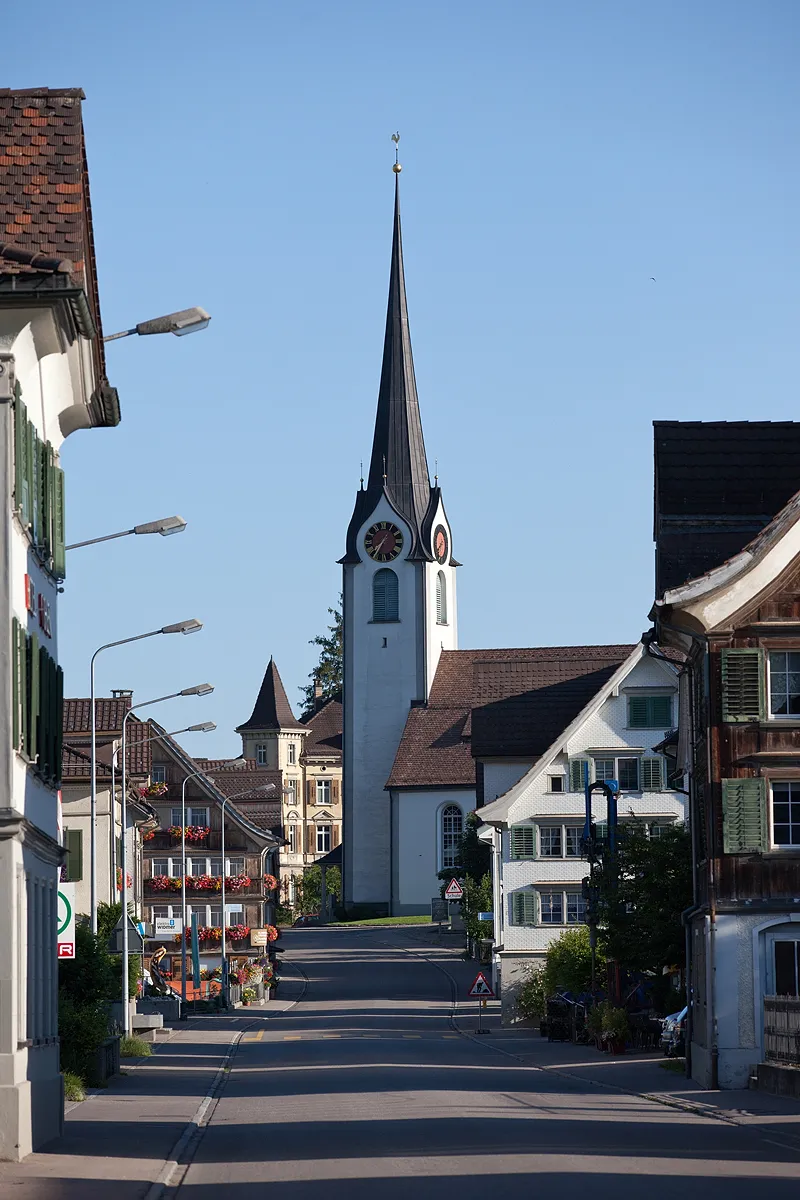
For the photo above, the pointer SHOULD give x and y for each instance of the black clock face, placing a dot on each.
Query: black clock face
(441, 545)
(383, 541)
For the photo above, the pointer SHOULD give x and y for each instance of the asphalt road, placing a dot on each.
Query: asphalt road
(364, 1089)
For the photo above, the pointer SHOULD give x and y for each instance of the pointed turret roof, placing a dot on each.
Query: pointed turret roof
(272, 708)
(398, 465)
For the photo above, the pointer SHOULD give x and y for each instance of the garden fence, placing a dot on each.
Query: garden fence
(782, 1029)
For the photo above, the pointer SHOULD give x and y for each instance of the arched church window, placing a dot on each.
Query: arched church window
(441, 599)
(384, 596)
(452, 830)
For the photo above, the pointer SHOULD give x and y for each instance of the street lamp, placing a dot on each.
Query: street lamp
(200, 689)
(188, 320)
(166, 526)
(191, 626)
(203, 727)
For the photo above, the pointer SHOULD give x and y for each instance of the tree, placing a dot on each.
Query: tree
(567, 967)
(328, 671)
(308, 888)
(642, 895)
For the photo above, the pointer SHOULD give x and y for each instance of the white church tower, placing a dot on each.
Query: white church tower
(399, 603)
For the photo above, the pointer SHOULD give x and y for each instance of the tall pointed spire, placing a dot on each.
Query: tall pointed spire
(398, 447)
(272, 709)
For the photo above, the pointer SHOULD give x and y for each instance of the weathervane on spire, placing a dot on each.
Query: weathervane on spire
(396, 168)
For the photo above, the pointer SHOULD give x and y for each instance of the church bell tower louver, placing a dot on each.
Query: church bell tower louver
(399, 591)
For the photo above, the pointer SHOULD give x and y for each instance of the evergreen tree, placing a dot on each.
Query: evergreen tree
(328, 671)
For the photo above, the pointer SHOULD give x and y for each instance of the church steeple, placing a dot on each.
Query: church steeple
(398, 465)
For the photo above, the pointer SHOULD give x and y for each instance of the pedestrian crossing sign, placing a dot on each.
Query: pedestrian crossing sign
(481, 988)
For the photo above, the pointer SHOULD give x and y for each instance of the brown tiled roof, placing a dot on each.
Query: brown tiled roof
(717, 485)
(232, 781)
(76, 755)
(44, 185)
(326, 728)
(109, 715)
(486, 703)
(76, 764)
(263, 816)
(272, 708)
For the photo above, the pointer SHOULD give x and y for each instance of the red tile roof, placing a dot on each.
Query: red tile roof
(44, 186)
(487, 703)
(76, 755)
(109, 715)
(325, 739)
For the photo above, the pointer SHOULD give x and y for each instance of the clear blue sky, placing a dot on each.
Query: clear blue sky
(556, 156)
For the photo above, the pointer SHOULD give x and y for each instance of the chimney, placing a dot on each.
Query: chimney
(317, 695)
(121, 693)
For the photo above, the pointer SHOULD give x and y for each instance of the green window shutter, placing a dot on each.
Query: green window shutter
(24, 683)
(638, 712)
(59, 525)
(576, 773)
(523, 908)
(20, 456)
(661, 712)
(73, 839)
(45, 535)
(33, 696)
(649, 712)
(523, 841)
(16, 696)
(744, 816)
(651, 775)
(43, 730)
(58, 732)
(742, 685)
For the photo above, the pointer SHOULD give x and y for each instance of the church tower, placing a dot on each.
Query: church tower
(399, 603)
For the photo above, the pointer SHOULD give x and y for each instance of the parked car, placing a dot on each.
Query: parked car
(673, 1034)
(307, 919)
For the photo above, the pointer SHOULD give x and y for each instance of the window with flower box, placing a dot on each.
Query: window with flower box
(194, 816)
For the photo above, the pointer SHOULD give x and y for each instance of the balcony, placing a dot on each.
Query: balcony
(162, 840)
(208, 887)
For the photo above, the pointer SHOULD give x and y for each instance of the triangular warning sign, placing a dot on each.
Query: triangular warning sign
(481, 987)
(454, 890)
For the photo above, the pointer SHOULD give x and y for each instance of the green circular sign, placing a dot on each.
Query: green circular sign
(67, 908)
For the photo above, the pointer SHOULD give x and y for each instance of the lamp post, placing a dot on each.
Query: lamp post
(191, 626)
(203, 727)
(200, 689)
(166, 526)
(188, 320)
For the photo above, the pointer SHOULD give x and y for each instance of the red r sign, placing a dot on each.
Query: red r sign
(66, 949)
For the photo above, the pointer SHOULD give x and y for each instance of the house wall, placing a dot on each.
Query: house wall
(607, 730)
(56, 380)
(500, 774)
(417, 844)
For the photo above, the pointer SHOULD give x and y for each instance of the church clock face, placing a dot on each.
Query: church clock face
(440, 544)
(383, 541)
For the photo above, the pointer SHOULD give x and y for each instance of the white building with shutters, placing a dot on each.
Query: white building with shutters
(535, 825)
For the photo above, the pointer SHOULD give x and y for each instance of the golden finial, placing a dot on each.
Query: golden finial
(396, 168)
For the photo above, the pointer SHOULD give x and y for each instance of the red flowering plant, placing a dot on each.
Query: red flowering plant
(203, 883)
(148, 837)
(272, 933)
(270, 883)
(151, 791)
(237, 883)
(205, 933)
(164, 883)
(128, 879)
(194, 833)
(237, 933)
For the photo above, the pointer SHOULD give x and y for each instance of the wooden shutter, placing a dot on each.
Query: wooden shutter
(20, 456)
(742, 685)
(384, 595)
(334, 791)
(59, 525)
(311, 791)
(576, 773)
(523, 908)
(651, 775)
(334, 836)
(744, 816)
(649, 712)
(32, 732)
(43, 729)
(523, 841)
(74, 844)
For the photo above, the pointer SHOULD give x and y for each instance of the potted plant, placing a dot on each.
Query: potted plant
(249, 994)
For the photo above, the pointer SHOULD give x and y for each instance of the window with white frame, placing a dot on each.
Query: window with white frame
(785, 815)
(166, 866)
(784, 683)
(261, 754)
(211, 914)
(194, 816)
(158, 774)
(452, 830)
(292, 752)
(551, 908)
(548, 906)
(624, 770)
(323, 839)
(202, 865)
(291, 791)
(323, 791)
(291, 838)
(560, 841)
(555, 783)
(576, 908)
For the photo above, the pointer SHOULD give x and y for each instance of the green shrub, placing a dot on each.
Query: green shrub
(532, 998)
(73, 1086)
(607, 1022)
(82, 1029)
(134, 1047)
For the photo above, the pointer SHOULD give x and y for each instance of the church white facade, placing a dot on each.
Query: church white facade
(399, 592)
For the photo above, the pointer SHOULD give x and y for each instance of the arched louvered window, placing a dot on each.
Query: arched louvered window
(441, 599)
(384, 596)
(452, 830)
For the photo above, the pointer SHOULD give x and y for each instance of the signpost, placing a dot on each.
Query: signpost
(66, 920)
(135, 939)
(482, 990)
(166, 926)
(454, 890)
(438, 910)
(258, 937)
